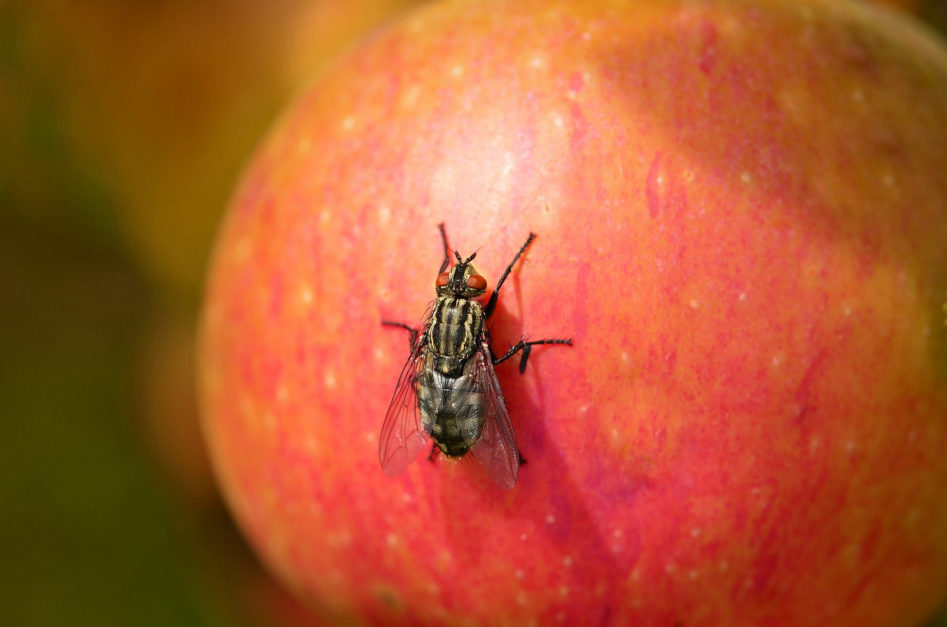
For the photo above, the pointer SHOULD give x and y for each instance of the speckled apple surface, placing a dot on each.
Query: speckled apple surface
(741, 213)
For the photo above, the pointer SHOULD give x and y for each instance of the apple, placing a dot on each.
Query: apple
(905, 5)
(932, 12)
(741, 219)
(129, 122)
(166, 100)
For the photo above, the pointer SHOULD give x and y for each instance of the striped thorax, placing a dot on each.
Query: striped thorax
(452, 337)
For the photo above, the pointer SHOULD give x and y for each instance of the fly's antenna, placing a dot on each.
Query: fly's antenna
(463, 262)
(448, 251)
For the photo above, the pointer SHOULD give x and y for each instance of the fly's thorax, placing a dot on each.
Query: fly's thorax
(454, 332)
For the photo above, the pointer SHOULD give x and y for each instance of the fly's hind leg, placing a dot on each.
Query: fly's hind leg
(413, 333)
(526, 348)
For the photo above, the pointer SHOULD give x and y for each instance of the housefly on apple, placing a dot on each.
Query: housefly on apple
(448, 390)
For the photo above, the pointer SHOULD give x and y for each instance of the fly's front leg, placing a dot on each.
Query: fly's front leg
(413, 337)
(526, 348)
(446, 261)
(491, 305)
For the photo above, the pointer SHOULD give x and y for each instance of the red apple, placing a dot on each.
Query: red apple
(741, 213)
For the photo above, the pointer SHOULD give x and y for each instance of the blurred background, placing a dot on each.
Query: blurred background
(123, 128)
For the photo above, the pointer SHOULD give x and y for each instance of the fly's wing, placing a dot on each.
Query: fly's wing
(496, 449)
(402, 435)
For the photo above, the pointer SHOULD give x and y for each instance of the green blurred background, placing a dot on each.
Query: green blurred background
(123, 126)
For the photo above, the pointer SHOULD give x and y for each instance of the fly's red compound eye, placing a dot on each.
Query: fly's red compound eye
(476, 282)
(442, 279)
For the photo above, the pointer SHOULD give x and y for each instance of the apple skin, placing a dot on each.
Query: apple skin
(741, 217)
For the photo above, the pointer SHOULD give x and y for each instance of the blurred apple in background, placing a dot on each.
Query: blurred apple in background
(165, 101)
(905, 5)
(168, 98)
(933, 12)
(123, 127)
(742, 216)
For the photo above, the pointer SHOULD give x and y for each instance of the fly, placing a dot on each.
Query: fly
(448, 390)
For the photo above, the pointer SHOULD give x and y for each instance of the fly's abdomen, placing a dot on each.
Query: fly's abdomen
(456, 324)
(451, 408)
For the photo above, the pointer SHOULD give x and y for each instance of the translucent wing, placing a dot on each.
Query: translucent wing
(496, 449)
(402, 435)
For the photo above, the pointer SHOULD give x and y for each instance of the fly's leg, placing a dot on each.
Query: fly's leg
(526, 348)
(412, 338)
(446, 261)
(492, 303)
(432, 455)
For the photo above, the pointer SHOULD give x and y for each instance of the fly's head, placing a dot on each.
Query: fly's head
(462, 280)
